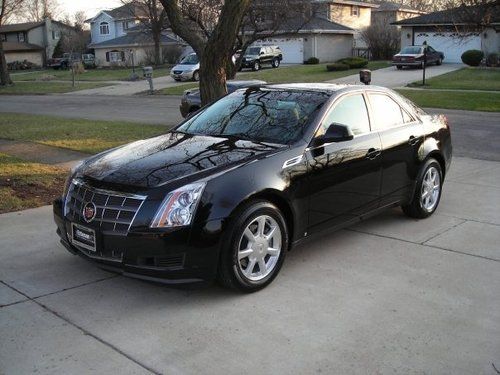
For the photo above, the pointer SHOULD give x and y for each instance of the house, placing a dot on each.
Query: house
(454, 31)
(114, 23)
(389, 12)
(32, 41)
(331, 33)
(133, 48)
(119, 36)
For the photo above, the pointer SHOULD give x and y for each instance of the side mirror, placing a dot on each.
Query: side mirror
(335, 133)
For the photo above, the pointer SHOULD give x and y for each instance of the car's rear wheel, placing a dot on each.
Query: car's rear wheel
(276, 62)
(196, 76)
(256, 248)
(439, 61)
(256, 66)
(427, 191)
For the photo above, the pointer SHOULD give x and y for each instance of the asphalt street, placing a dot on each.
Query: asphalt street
(475, 134)
(390, 295)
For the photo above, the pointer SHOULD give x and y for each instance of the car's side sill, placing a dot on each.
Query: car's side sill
(348, 223)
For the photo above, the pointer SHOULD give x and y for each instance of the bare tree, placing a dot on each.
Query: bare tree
(213, 41)
(79, 20)
(7, 10)
(38, 10)
(153, 18)
(382, 39)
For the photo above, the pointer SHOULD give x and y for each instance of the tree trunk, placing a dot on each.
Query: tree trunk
(157, 48)
(4, 72)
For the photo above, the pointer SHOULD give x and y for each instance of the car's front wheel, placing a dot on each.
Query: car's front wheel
(256, 65)
(256, 247)
(427, 191)
(196, 76)
(439, 61)
(399, 67)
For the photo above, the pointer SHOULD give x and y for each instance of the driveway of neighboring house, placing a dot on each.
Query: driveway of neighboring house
(391, 77)
(129, 88)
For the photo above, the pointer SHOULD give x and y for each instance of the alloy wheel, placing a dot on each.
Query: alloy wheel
(259, 248)
(431, 188)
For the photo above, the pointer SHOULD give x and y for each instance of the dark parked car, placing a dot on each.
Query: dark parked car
(191, 100)
(255, 57)
(230, 190)
(64, 62)
(414, 56)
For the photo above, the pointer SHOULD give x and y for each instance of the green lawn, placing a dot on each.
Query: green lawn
(298, 73)
(40, 88)
(104, 74)
(465, 79)
(476, 101)
(76, 134)
(24, 185)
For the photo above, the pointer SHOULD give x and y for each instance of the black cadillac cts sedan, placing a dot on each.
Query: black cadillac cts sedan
(230, 190)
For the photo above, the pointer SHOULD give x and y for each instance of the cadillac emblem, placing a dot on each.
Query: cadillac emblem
(89, 211)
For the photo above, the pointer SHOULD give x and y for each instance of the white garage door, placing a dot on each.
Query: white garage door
(451, 44)
(292, 48)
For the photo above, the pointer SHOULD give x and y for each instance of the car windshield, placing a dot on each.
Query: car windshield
(190, 60)
(252, 51)
(271, 116)
(412, 50)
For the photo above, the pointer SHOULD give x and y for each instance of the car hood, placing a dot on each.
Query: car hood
(157, 161)
(185, 67)
(250, 57)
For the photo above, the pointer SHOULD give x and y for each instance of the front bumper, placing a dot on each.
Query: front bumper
(407, 63)
(184, 76)
(247, 63)
(184, 255)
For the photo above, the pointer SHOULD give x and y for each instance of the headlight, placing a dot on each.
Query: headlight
(70, 177)
(178, 207)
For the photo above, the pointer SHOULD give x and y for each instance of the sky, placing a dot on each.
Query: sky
(91, 7)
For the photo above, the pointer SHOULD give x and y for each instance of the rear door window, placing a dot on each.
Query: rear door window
(386, 113)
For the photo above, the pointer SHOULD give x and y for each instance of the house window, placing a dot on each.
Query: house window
(21, 37)
(4, 37)
(355, 10)
(104, 28)
(125, 25)
(56, 34)
(115, 56)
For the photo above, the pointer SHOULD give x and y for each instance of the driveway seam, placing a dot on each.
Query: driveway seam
(421, 244)
(84, 331)
(76, 286)
(444, 231)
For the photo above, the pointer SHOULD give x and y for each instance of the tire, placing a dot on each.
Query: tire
(399, 67)
(426, 196)
(276, 62)
(196, 76)
(256, 66)
(241, 259)
(439, 61)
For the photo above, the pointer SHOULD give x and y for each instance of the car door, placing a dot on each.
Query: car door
(401, 134)
(432, 55)
(344, 176)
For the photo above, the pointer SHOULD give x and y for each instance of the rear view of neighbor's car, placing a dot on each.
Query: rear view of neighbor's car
(227, 193)
(417, 56)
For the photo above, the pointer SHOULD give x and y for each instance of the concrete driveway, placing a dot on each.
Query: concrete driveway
(391, 77)
(391, 295)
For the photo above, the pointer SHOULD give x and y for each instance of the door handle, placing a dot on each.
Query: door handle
(373, 153)
(412, 141)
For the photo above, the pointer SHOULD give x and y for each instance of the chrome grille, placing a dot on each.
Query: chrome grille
(115, 211)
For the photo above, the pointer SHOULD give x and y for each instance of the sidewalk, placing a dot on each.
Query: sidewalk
(129, 88)
(392, 78)
(39, 153)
